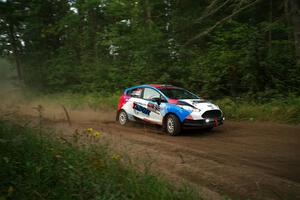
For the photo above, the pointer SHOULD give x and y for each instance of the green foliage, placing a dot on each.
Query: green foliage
(237, 62)
(104, 46)
(79, 101)
(283, 110)
(6, 70)
(37, 166)
(260, 107)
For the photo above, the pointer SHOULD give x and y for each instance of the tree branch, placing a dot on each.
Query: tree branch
(199, 20)
(207, 31)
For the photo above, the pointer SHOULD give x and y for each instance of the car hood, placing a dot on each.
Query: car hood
(200, 104)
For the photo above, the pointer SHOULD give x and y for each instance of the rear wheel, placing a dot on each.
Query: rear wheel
(123, 118)
(172, 126)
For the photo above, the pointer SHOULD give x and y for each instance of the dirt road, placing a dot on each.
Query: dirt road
(239, 159)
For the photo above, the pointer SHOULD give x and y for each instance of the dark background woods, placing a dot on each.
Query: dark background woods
(215, 47)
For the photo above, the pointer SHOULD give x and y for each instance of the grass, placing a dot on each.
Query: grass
(94, 101)
(37, 165)
(285, 110)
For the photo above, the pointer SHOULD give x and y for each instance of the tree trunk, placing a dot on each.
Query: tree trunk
(295, 20)
(13, 41)
(270, 30)
(287, 11)
(148, 14)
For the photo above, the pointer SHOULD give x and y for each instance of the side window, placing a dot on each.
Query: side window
(137, 93)
(150, 94)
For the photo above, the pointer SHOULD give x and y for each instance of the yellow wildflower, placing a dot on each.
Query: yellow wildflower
(89, 130)
(115, 157)
(97, 134)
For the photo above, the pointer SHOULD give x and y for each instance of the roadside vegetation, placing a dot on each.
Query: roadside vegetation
(221, 49)
(36, 164)
(95, 101)
(280, 109)
(217, 48)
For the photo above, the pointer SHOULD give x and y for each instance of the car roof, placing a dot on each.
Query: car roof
(162, 86)
(154, 86)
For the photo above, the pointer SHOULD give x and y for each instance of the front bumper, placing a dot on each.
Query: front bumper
(208, 122)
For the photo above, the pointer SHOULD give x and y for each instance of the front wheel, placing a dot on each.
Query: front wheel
(123, 118)
(173, 126)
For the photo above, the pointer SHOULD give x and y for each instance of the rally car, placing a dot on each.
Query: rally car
(172, 107)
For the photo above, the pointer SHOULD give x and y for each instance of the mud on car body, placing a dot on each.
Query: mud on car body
(171, 107)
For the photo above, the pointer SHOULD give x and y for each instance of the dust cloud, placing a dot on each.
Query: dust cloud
(19, 101)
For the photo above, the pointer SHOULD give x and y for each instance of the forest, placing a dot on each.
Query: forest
(216, 48)
(65, 63)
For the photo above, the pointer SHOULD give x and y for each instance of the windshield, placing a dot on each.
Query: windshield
(178, 93)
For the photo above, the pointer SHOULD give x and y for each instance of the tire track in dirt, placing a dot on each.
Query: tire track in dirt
(240, 159)
(258, 167)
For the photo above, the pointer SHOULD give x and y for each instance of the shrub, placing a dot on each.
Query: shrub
(37, 166)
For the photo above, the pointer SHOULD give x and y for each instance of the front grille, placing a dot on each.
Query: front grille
(201, 122)
(190, 122)
(212, 114)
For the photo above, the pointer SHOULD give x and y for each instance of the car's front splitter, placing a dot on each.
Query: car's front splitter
(208, 122)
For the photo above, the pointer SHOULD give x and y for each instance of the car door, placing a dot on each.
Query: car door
(150, 97)
(133, 104)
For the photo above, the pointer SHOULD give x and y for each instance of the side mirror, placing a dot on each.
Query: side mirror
(157, 100)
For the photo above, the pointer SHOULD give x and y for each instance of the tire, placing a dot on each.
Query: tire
(123, 118)
(172, 125)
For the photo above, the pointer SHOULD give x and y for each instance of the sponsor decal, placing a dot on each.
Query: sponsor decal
(154, 108)
(140, 108)
(210, 106)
